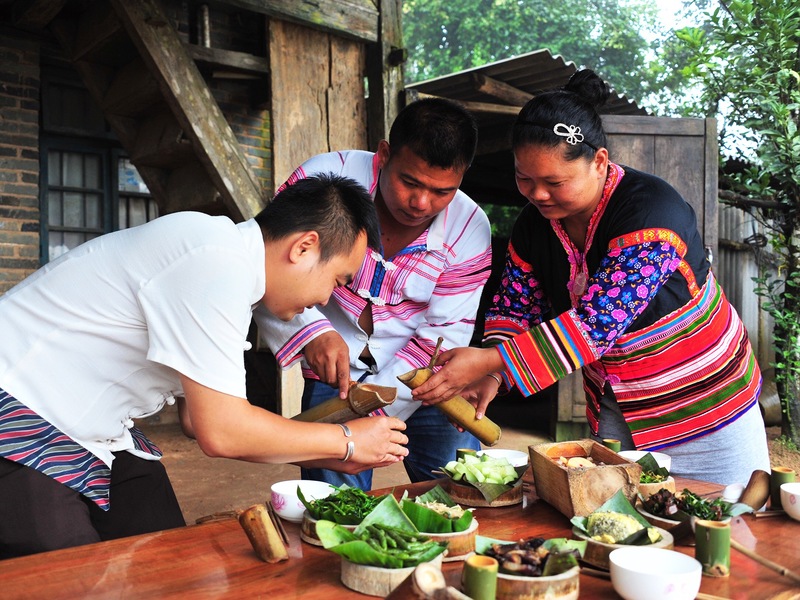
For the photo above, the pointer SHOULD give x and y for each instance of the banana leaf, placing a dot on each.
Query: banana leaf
(650, 465)
(619, 503)
(428, 520)
(354, 547)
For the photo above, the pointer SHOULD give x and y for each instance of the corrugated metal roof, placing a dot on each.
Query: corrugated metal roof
(533, 73)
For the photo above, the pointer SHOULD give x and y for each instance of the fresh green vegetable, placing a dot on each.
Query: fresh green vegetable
(481, 469)
(346, 506)
(680, 507)
(385, 538)
(651, 472)
(491, 469)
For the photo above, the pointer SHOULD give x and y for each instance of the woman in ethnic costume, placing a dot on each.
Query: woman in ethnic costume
(606, 271)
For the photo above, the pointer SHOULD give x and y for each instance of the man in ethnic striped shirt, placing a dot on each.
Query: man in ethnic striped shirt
(424, 282)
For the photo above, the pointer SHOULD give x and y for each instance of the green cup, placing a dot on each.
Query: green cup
(713, 547)
(611, 444)
(479, 577)
(778, 476)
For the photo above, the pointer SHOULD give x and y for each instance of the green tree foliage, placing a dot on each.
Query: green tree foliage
(747, 58)
(444, 37)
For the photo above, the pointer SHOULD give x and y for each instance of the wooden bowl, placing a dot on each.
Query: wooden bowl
(564, 586)
(468, 495)
(655, 520)
(376, 581)
(648, 489)
(308, 529)
(597, 552)
(460, 544)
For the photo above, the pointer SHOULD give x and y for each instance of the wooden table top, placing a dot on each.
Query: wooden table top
(215, 560)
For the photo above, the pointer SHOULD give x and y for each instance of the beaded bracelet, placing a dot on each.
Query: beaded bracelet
(351, 445)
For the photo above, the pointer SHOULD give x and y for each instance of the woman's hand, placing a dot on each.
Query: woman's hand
(480, 393)
(462, 367)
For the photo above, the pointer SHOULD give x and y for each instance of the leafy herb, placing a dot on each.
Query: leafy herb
(346, 506)
(680, 507)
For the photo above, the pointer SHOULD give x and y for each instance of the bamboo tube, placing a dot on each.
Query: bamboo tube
(457, 409)
(756, 491)
(425, 581)
(263, 535)
(362, 399)
(713, 547)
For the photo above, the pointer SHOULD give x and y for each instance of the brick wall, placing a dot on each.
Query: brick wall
(19, 158)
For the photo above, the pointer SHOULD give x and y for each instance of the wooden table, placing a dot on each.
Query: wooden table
(215, 560)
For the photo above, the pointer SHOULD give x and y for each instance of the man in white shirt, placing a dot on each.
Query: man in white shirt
(423, 280)
(123, 324)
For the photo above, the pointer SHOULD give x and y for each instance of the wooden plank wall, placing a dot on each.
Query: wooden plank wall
(318, 102)
(318, 105)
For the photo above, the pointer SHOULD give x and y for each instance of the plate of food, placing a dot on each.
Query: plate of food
(436, 515)
(483, 480)
(381, 551)
(616, 524)
(346, 506)
(668, 509)
(535, 567)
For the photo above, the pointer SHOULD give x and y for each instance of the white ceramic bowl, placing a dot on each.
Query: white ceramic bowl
(790, 499)
(515, 457)
(642, 573)
(663, 460)
(286, 502)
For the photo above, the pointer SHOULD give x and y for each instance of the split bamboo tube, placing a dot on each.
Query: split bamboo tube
(457, 408)
(263, 534)
(362, 399)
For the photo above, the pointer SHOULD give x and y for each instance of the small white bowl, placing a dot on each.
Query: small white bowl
(790, 499)
(642, 573)
(287, 503)
(663, 460)
(515, 457)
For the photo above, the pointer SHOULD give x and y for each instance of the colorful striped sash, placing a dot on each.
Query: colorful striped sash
(27, 439)
(690, 373)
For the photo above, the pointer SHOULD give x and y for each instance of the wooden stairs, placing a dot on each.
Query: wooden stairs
(154, 97)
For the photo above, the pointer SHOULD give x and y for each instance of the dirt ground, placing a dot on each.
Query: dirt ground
(206, 486)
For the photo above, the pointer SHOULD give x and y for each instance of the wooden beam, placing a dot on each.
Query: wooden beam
(97, 26)
(500, 90)
(132, 91)
(160, 141)
(192, 104)
(239, 62)
(35, 14)
(355, 19)
(385, 73)
(479, 107)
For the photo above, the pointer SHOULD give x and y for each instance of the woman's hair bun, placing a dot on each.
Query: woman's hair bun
(586, 84)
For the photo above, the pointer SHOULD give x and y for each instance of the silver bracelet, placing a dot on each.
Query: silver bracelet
(351, 445)
(496, 378)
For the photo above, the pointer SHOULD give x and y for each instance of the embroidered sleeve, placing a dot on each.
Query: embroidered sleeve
(626, 280)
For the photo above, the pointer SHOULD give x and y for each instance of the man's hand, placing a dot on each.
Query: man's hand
(329, 357)
(378, 441)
